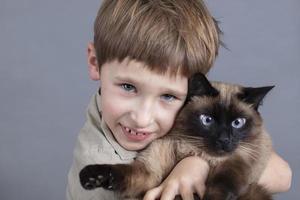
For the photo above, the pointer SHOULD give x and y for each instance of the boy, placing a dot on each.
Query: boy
(143, 53)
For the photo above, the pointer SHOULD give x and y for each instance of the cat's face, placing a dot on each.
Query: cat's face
(221, 127)
(222, 116)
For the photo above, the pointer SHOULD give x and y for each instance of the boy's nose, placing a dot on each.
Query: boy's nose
(142, 115)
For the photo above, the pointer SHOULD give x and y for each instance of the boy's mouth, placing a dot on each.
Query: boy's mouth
(134, 135)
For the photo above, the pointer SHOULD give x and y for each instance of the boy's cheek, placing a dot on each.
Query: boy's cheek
(111, 112)
(168, 118)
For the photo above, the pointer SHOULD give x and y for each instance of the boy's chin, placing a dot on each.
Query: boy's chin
(135, 146)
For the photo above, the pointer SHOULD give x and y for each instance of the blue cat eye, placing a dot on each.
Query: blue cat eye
(238, 123)
(206, 120)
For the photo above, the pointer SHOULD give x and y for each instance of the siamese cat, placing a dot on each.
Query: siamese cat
(219, 123)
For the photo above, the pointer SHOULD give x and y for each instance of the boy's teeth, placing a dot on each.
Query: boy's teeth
(133, 132)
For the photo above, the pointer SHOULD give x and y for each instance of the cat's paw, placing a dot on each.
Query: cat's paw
(94, 176)
(230, 196)
(216, 194)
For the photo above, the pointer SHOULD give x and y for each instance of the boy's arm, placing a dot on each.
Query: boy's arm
(190, 174)
(277, 176)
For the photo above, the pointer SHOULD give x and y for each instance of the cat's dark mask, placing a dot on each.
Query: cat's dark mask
(198, 85)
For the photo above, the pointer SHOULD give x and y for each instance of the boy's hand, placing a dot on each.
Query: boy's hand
(188, 177)
(277, 176)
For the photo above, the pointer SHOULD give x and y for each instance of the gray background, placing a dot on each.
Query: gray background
(44, 85)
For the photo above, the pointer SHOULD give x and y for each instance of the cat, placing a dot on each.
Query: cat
(220, 123)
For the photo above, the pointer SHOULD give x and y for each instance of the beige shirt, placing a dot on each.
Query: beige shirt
(95, 144)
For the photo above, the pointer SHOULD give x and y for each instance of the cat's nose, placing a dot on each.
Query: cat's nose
(224, 141)
(224, 144)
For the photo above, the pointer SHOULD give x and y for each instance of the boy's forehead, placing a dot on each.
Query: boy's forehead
(134, 67)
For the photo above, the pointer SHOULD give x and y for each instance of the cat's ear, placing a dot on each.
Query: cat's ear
(199, 86)
(254, 96)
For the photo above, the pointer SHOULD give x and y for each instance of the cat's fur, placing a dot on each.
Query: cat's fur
(236, 156)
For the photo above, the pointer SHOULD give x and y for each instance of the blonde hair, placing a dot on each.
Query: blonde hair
(167, 35)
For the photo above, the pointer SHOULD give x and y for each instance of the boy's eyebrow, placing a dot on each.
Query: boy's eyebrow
(126, 79)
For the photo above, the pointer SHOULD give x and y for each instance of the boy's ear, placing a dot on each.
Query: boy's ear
(199, 86)
(254, 96)
(94, 71)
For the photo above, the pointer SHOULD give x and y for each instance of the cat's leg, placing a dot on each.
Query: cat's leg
(133, 180)
(120, 177)
(227, 181)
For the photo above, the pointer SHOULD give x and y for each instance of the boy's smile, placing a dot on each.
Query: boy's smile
(139, 105)
(135, 135)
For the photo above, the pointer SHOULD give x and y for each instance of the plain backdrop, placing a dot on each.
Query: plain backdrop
(44, 84)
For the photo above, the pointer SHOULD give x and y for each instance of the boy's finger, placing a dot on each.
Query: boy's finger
(169, 193)
(153, 194)
(186, 194)
(200, 189)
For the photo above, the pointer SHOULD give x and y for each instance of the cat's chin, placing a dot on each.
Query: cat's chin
(216, 152)
(215, 158)
(220, 153)
(217, 155)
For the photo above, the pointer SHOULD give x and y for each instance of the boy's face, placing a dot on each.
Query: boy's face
(137, 104)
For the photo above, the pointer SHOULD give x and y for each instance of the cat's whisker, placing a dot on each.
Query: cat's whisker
(248, 143)
(254, 156)
(188, 136)
(250, 155)
(248, 146)
(248, 149)
(251, 152)
(193, 140)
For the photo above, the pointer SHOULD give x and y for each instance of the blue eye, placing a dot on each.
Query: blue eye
(127, 87)
(238, 123)
(168, 97)
(206, 120)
